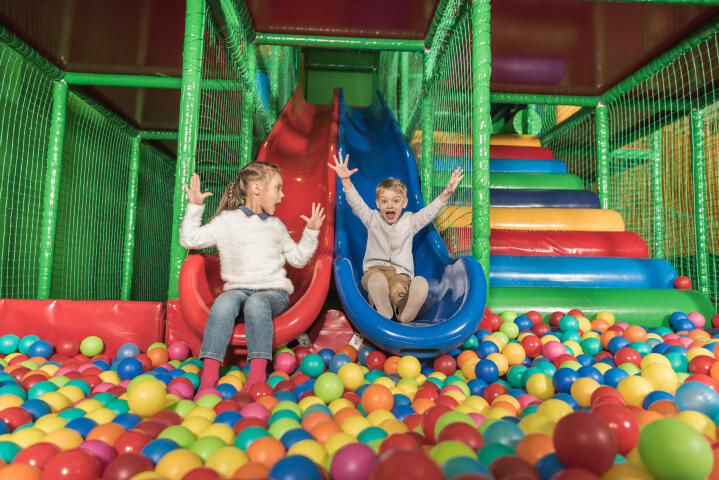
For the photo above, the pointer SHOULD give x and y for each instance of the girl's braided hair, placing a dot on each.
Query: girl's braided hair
(237, 189)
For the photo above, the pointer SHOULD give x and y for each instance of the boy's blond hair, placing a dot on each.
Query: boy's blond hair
(391, 184)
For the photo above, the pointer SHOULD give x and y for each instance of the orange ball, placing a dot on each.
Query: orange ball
(464, 355)
(107, 432)
(158, 356)
(666, 408)
(312, 419)
(390, 365)
(348, 350)
(324, 430)
(343, 414)
(266, 450)
(511, 409)
(600, 325)
(422, 404)
(606, 336)
(20, 471)
(251, 470)
(377, 397)
(534, 446)
(268, 401)
(645, 417)
(635, 333)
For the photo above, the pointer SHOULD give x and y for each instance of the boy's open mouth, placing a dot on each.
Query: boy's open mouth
(390, 214)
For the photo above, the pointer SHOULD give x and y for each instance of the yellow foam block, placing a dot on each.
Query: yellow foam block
(504, 218)
(515, 140)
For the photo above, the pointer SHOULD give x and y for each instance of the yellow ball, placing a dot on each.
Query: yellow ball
(537, 423)
(175, 464)
(226, 460)
(651, 358)
(351, 375)
(109, 376)
(392, 425)
(379, 416)
(386, 381)
(574, 347)
(89, 405)
(204, 412)
(196, 424)
(73, 393)
(584, 324)
(219, 430)
(634, 388)
(699, 422)
(64, 438)
(56, 400)
(627, 471)
(500, 361)
(8, 400)
(514, 353)
(50, 369)
(606, 316)
(602, 367)
(337, 405)
(147, 398)
(468, 367)
(308, 401)
(582, 390)
(408, 367)
(476, 403)
(337, 441)
(50, 423)
(354, 425)
(310, 449)
(508, 399)
(697, 352)
(540, 386)
(661, 377)
(27, 436)
(231, 380)
(554, 409)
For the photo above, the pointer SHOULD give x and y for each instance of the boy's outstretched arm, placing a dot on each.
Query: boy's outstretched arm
(428, 213)
(457, 176)
(359, 207)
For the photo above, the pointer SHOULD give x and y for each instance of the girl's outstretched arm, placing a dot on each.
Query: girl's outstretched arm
(192, 233)
(298, 254)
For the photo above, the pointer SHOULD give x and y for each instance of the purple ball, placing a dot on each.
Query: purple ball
(354, 461)
(104, 452)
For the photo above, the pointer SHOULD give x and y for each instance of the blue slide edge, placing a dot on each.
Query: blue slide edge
(457, 296)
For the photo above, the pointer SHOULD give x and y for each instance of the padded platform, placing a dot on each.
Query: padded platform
(567, 244)
(500, 165)
(579, 219)
(536, 181)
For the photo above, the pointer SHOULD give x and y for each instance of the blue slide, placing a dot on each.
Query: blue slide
(457, 287)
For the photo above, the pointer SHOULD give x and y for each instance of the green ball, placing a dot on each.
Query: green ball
(282, 426)
(591, 346)
(183, 407)
(24, 344)
(82, 385)
(493, 451)
(91, 346)
(104, 398)
(58, 381)
(274, 380)
(8, 343)
(312, 365)
(446, 450)
(206, 446)
(71, 414)
(8, 450)
(182, 436)
(155, 345)
(514, 376)
(511, 330)
(451, 417)
(119, 406)
(630, 368)
(31, 364)
(245, 438)
(470, 344)
(672, 450)
(678, 361)
(329, 387)
(370, 434)
(508, 316)
(209, 400)
(279, 414)
(288, 405)
(40, 389)
(573, 364)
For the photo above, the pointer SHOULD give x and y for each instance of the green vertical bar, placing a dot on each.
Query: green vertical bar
(404, 91)
(602, 124)
(187, 131)
(481, 129)
(699, 190)
(274, 82)
(427, 135)
(248, 108)
(657, 200)
(52, 189)
(130, 216)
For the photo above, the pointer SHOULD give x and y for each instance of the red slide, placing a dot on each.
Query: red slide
(301, 143)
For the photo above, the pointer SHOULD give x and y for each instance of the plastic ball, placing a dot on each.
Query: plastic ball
(584, 440)
(699, 397)
(285, 362)
(329, 387)
(682, 283)
(408, 367)
(295, 467)
(622, 423)
(672, 449)
(312, 365)
(337, 361)
(377, 397)
(127, 350)
(75, 464)
(91, 346)
(353, 462)
(486, 370)
(129, 368)
(40, 348)
(124, 467)
(406, 464)
(178, 351)
(147, 398)
(8, 343)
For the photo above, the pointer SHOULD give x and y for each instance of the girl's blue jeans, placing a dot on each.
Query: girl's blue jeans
(258, 308)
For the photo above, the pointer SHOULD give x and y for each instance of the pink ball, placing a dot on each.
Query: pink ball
(178, 351)
(102, 387)
(353, 462)
(285, 362)
(256, 410)
(185, 391)
(622, 325)
(477, 418)
(124, 383)
(697, 319)
(102, 451)
(553, 349)
(686, 341)
(526, 399)
(85, 366)
(449, 388)
(63, 371)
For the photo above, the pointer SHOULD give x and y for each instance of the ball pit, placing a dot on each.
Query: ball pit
(572, 398)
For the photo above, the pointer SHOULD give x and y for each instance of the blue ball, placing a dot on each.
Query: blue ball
(337, 361)
(400, 399)
(228, 417)
(487, 370)
(585, 360)
(697, 396)
(568, 399)
(660, 348)
(655, 396)
(363, 352)
(617, 343)
(523, 322)
(591, 372)
(81, 425)
(402, 411)
(285, 396)
(127, 350)
(548, 466)
(23, 346)
(293, 436)
(564, 378)
(156, 449)
(129, 368)
(40, 348)
(4, 428)
(127, 420)
(503, 432)
(476, 386)
(683, 325)
(676, 316)
(36, 408)
(295, 467)
(226, 390)
(613, 376)
(486, 348)
(326, 354)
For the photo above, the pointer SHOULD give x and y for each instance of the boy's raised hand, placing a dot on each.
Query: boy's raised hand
(318, 216)
(457, 176)
(194, 194)
(340, 167)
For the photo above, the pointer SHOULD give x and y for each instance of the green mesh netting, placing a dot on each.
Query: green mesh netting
(92, 197)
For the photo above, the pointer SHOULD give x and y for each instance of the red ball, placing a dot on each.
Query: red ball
(399, 441)
(464, 433)
(532, 345)
(413, 421)
(447, 401)
(510, 466)
(682, 283)
(623, 424)
(575, 474)
(426, 392)
(715, 321)
(132, 441)
(584, 440)
(169, 418)
(534, 316)
(541, 328)
(300, 353)
(248, 422)
(201, 473)
(627, 355)
(375, 360)
(151, 428)
(575, 312)
(605, 391)
(406, 464)
(554, 318)
(74, 464)
(225, 405)
(259, 390)
(430, 420)
(124, 467)
(492, 391)
(68, 348)
(15, 417)
(445, 364)
(706, 379)
(701, 364)
(37, 455)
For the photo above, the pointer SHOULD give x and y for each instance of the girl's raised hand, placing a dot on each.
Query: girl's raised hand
(457, 176)
(340, 167)
(194, 194)
(318, 216)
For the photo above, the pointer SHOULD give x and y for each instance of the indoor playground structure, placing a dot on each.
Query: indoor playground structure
(570, 331)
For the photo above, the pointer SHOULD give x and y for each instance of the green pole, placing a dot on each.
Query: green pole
(445, 18)
(187, 131)
(248, 110)
(427, 136)
(481, 130)
(130, 216)
(404, 91)
(602, 124)
(274, 82)
(700, 209)
(657, 200)
(146, 81)
(349, 43)
(578, 100)
(52, 188)
(568, 124)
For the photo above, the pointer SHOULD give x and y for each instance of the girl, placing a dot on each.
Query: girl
(253, 247)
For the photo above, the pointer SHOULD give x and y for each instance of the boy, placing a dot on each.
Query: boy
(388, 264)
